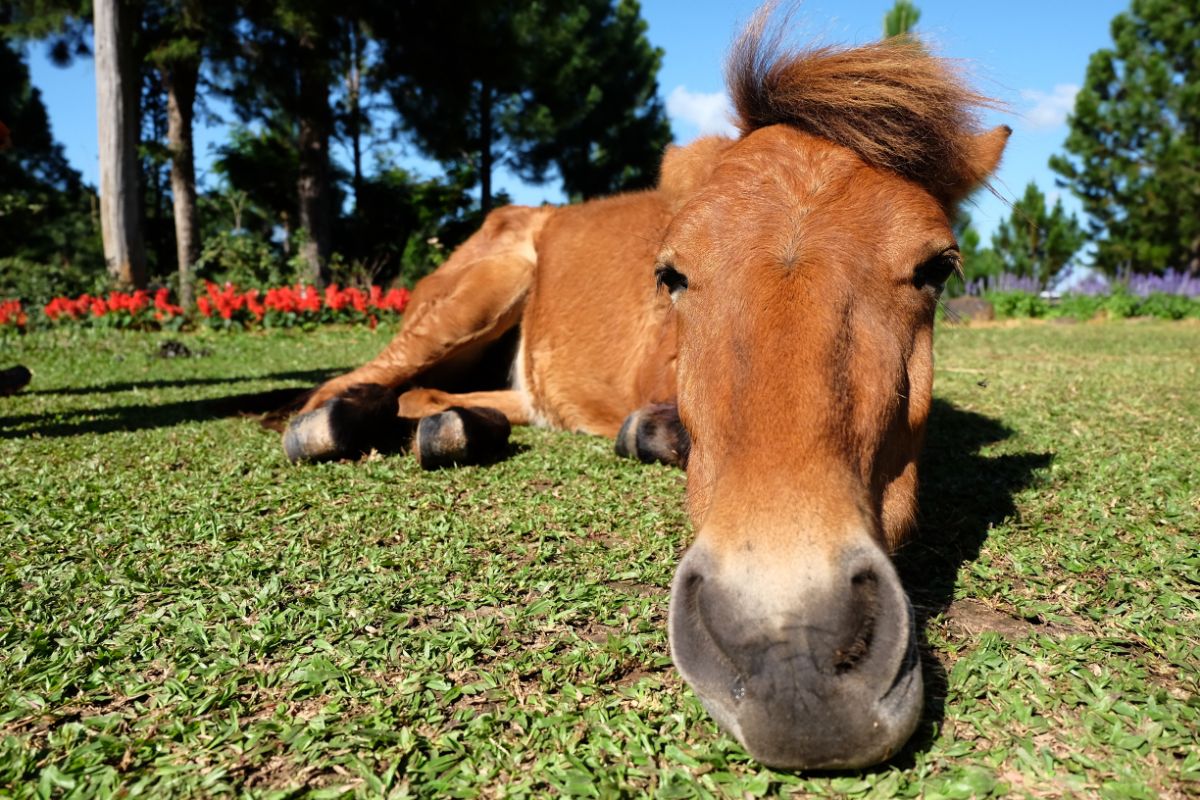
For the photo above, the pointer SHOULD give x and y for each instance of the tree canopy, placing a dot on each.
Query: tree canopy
(978, 262)
(45, 210)
(562, 90)
(563, 85)
(1036, 241)
(1133, 152)
(901, 19)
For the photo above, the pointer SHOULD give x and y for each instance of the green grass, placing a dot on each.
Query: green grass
(183, 613)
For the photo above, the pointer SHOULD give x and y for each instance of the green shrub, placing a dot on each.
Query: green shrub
(243, 259)
(36, 284)
(1168, 306)
(1017, 305)
(1120, 304)
(1078, 306)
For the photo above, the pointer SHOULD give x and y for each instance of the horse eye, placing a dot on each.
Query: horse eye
(671, 278)
(936, 271)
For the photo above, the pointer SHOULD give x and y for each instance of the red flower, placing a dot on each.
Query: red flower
(396, 300)
(255, 307)
(333, 298)
(163, 306)
(308, 298)
(228, 303)
(12, 314)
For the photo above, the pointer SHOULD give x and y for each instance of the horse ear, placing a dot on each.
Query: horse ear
(987, 148)
(982, 157)
(686, 169)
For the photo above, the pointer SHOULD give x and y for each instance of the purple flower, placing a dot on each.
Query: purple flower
(1173, 282)
(1170, 282)
(1006, 282)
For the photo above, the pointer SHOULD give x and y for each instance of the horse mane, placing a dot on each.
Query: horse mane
(893, 103)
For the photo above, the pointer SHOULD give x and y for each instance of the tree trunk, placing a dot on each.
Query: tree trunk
(485, 148)
(285, 222)
(316, 123)
(117, 87)
(180, 80)
(354, 95)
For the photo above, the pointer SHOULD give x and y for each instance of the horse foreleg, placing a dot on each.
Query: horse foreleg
(420, 403)
(452, 311)
(360, 419)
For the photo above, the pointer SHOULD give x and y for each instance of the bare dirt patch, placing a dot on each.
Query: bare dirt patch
(971, 618)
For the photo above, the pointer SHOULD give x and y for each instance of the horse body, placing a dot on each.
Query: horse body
(783, 353)
(595, 339)
(596, 343)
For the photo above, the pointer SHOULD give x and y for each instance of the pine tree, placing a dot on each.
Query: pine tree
(901, 19)
(1034, 242)
(978, 262)
(1134, 143)
(281, 75)
(597, 93)
(558, 85)
(160, 53)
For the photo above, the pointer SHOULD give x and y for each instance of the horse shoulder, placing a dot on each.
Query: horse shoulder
(593, 327)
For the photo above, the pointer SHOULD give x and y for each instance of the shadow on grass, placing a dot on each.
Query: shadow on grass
(311, 375)
(963, 494)
(143, 416)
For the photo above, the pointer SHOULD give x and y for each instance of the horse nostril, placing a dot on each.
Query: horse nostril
(690, 591)
(864, 578)
(863, 609)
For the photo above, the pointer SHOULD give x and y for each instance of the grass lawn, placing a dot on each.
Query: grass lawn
(184, 613)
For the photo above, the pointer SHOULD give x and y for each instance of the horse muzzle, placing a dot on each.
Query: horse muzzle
(810, 662)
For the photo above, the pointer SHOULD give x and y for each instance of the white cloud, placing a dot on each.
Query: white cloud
(708, 113)
(1049, 109)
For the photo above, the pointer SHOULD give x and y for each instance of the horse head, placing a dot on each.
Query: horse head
(804, 261)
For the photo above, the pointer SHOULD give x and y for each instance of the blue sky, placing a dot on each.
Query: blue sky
(1031, 55)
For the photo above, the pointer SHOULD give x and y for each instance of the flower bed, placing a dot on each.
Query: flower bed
(12, 316)
(117, 310)
(300, 305)
(219, 307)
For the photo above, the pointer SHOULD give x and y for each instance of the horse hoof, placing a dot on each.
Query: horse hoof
(654, 434)
(461, 436)
(626, 445)
(361, 419)
(312, 436)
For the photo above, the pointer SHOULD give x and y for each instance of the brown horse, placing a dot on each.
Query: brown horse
(765, 318)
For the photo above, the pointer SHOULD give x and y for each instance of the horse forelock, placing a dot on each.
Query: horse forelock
(893, 103)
